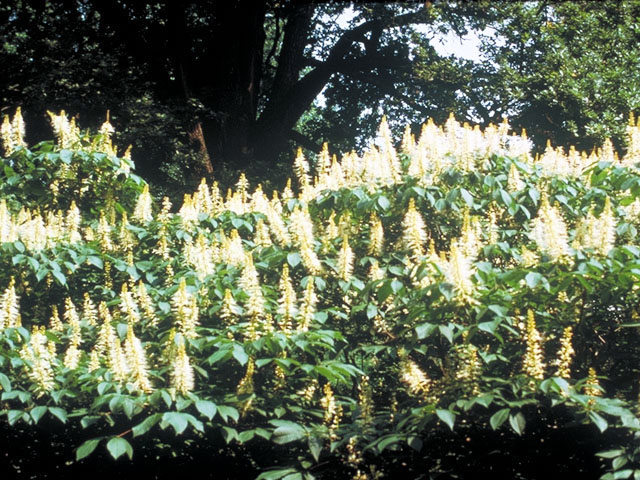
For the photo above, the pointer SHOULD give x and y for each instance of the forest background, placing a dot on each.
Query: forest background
(212, 89)
(203, 86)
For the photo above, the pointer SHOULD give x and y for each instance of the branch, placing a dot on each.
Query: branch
(276, 39)
(304, 141)
(291, 57)
(283, 111)
(389, 88)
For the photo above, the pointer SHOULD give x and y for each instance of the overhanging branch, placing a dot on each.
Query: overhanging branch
(304, 141)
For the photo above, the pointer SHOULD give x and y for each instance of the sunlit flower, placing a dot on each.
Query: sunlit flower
(261, 236)
(345, 260)
(550, 231)
(185, 310)
(597, 233)
(142, 211)
(414, 378)
(12, 132)
(128, 305)
(232, 249)
(533, 359)
(72, 223)
(332, 411)
(250, 283)
(376, 237)
(9, 307)
(307, 307)
(89, 310)
(202, 201)
(459, 272)
(230, 309)
(181, 371)
(301, 169)
(146, 304)
(514, 184)
(287, 303)
(245, 386)
(137, 362)
(414, 232)
(39, 360)
(565, 354)
(592, 386)
(200, 256)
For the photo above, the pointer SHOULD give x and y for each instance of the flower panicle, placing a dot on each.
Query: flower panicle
(533, 360)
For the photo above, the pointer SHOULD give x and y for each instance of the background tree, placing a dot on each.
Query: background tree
(565, 71)
(203, 84)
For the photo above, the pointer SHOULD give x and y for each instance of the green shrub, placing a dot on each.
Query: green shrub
(458, 284)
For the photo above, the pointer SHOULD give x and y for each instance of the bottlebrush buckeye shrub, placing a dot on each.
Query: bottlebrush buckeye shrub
(457, 282)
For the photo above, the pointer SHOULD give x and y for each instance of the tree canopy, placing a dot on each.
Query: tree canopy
(202, 84)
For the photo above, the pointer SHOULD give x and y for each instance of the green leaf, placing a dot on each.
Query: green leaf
(623, 473)
(599, 421)
(222, 354)
(532, 279)
(489, 327)
(38, 412)
(386, 441)
(467, 197)
(424, 330)
(177, 420)
(89, 420)
(619, 462)
(226, 411)
(276, 474)
(87, 448)
(288, 434)
(315, 446)
(383, 202)
(415, 443)
(506, 198)
(95, 261)
(117, 446)
(610, 453)
(5, 383)
(66, 156)
(146, 425)
(447, 332)
(447, 416)
(58, 413)
(14, 415)
(195, 423)
(59, 276)
(517, 422)
(230, 434)
(206, 408)
(498, 418)
(293, 259)
(247, 435)
(294, 476)
(396, 285)
(240, 355)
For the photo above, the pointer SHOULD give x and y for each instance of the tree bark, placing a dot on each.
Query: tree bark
(232, 92)
(178, 47)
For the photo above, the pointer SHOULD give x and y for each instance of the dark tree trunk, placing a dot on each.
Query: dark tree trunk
(232, 88)
(178, 47)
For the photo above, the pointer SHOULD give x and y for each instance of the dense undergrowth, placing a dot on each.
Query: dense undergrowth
(451, 308)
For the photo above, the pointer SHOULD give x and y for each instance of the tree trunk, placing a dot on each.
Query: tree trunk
(231, 93)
